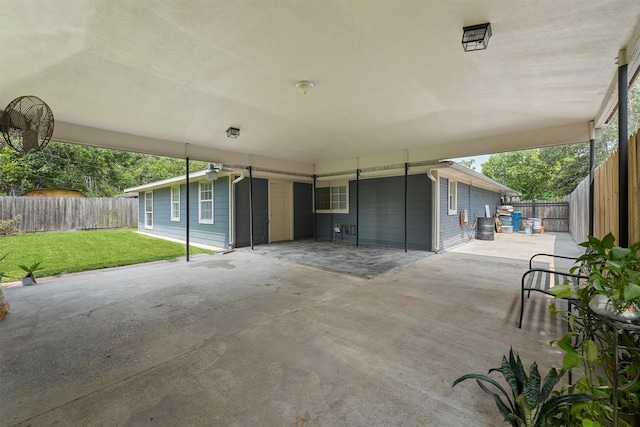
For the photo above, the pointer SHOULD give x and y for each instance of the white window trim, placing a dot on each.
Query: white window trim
(175, 202)
(452, 197)
(334, 184)
(200, 200)
(148, 208)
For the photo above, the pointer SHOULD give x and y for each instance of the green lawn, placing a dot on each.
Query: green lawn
(72, 251)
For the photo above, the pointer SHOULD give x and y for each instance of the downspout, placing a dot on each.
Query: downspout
(232, 211)
(435, 209)
(623, 152)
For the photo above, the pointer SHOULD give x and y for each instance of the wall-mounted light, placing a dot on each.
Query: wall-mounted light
(212, 171)
(476, 37)
(233, 132)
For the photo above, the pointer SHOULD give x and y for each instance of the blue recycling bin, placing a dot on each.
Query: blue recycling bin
(516, 221)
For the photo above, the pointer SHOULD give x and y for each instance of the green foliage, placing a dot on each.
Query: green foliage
(589, 345)
(73, 251)
(1, 258)
(96, 172)
(613, 271)
(532, 402)
(31, 269)
(524, 171)
(469, 163)
(610, 131)
(544, 173)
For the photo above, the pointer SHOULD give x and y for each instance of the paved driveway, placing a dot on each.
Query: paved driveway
(245, 339)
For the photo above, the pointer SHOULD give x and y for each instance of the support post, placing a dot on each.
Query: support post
(251, 206)
(358, 207)
(406, 203)
(623, 150)
(315, 212)
(186, 221)
(592, 156)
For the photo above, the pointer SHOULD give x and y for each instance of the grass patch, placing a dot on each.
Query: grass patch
(73, 251)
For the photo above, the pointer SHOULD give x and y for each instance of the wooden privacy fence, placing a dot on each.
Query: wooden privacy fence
(69, 213)
(606, 198)
(554, 215)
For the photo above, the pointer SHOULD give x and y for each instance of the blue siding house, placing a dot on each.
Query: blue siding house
(429, 208)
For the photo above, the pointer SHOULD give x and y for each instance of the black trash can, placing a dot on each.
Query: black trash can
(485, 229)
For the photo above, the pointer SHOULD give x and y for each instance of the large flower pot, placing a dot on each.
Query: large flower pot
(600, 304)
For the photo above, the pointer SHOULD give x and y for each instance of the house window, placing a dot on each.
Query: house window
(148, 209)
(453, 197)
(175, 203)
(205, 203)
(333, 198)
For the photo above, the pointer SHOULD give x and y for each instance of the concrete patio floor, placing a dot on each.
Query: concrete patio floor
(244, 339)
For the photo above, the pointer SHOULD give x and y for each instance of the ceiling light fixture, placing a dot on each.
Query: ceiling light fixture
(304, 86)
(476, 37)
(233, 132)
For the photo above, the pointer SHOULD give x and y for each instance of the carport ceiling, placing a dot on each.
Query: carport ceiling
(389, 75)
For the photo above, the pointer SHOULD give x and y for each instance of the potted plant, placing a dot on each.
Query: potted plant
(30, 277)
(604, 325)
(531, 402)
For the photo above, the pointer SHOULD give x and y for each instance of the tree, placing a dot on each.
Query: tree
(523, 171)
(468, 163)
(97, 172)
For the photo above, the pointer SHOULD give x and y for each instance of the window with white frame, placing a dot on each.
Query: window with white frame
(205, 202)
(175, 203)
(333, 197)
(148, 209)
(453, 197)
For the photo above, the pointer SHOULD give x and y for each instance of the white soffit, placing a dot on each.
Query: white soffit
(170, 77)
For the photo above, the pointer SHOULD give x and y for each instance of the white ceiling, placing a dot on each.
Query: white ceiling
(390, 76)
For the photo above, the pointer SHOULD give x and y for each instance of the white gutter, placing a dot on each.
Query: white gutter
(232, 210)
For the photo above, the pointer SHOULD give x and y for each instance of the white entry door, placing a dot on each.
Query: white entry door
(280, 223)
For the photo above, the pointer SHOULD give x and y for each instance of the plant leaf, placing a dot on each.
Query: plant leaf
(618, 253)
(631, 291)
(548, 384)
(532, 386)
(561, 291)
(485, 378)
(552, 405)
(590, 350)
(571, 360)
(608, 241)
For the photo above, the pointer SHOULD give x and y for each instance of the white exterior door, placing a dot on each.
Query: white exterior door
(280, 223)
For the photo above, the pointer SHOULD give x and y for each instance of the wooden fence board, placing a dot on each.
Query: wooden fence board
(60, 213)
(606, 198)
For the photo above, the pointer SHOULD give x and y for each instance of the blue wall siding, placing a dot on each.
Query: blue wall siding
(474, 199)
(216, 234)
(381, 213)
